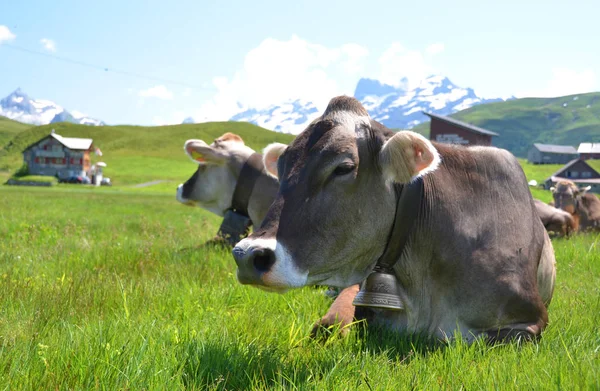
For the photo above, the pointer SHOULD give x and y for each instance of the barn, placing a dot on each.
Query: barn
(589, 150)
(451, 131)
(577, 171)
(55, 155)
(551, 154)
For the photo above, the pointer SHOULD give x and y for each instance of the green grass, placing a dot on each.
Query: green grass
(113, 289)
(522, 122)
(9, 129)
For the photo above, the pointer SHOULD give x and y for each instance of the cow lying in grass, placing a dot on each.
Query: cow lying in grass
(556, 221)
(478, 260)
(213, 187)
(213, 184)
(583, 206)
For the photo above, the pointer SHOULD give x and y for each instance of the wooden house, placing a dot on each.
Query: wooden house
(577, 171)
(55, 155)
(452, 131)
(551, 154)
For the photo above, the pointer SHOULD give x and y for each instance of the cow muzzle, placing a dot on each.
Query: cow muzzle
(181, 199)
(253, 263)
(266, 263)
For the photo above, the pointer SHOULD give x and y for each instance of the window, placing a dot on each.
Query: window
(586, 174)
(574, 174)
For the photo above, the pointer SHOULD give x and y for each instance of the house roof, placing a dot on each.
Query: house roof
(78, 144)
(575, 180)
(464, 125)
(73, 142)
(589, 148)
(555, 148)
(568, 165)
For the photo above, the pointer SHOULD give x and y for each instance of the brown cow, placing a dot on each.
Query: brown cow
(583, 206)
(556, 221)
(212, 187)
(478, 260)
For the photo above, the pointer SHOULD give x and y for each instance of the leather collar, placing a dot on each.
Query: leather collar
(408, 206)
(251, 170)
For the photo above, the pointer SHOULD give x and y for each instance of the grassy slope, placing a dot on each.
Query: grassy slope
(136, 154)
(102, 290)
(9, 129)
(522, 122)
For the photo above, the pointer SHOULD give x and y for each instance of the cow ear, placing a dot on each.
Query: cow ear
(200, 152)
(271, 154)
(583, 190)
(553, 189)
(408, 155)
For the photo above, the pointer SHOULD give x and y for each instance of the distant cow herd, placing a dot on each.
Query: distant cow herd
(478, 259)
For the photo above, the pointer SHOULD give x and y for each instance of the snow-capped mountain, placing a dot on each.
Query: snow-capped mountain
(289, 117)
(398, 108)
(20, 107)
(188, 120)
(395, 107)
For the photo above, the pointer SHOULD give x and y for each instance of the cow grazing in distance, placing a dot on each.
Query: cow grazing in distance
(555, 220)
(212, 187)
(478, 260)
(583, 206)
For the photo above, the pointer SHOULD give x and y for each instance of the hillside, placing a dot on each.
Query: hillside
(9, 129)
(136, 154)
(567, 120)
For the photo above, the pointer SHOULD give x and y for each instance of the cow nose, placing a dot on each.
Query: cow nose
(253, 263)
(262, 259)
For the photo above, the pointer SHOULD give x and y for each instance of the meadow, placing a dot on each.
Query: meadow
(115, 289)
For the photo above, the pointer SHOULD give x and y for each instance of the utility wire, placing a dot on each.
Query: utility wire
(102, 68)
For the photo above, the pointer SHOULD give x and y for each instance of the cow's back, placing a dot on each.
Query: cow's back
(479, 242)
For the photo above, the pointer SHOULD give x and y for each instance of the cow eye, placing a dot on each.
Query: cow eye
(343, 169)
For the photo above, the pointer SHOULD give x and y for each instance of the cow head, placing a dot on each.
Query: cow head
(336, 203)
(567, 196)
(212, 185)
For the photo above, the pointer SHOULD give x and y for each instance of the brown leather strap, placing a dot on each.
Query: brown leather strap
(251, 170)
(407, 210)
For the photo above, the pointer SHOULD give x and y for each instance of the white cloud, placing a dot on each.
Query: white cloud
(5, 34)
(277, 71)
(566, 81)
(48, 44)
(402, 67)
(187, 92)
(435, 48)
(159, 92)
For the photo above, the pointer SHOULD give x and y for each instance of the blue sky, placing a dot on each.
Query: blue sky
(263, 52)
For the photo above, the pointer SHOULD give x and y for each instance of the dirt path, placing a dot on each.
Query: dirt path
(146, 184)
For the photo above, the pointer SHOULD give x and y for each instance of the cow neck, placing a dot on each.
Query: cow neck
(251, 170)
(408, 205)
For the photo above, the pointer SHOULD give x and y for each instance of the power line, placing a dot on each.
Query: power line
(102, 68)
